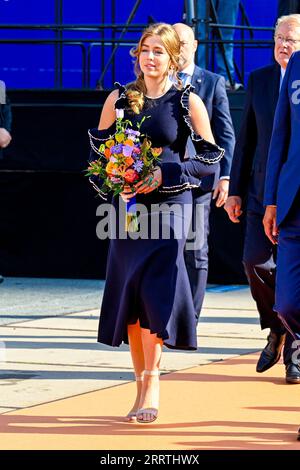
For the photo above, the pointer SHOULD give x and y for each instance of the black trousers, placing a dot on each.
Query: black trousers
(196, 255)
(259, 259)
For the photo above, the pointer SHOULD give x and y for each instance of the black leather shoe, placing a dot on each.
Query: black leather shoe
(292, 373)
(271, 353)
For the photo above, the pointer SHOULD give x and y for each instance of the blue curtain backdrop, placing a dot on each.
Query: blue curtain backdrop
(33, 66)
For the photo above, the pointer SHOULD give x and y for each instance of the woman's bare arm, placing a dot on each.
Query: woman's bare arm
(199, 118)
(108, 114)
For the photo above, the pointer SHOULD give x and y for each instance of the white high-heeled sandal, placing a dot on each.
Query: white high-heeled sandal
(149, 410)
(131, 416)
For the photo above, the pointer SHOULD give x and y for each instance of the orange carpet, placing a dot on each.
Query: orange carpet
(223, 405)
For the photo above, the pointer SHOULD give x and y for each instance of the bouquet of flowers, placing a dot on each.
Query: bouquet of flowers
(125, 159)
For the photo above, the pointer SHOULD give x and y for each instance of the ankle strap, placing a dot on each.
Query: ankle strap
(139, 378)
(151, 372)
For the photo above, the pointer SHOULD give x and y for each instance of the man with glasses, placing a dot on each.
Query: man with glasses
(247, 180)
(282, 201)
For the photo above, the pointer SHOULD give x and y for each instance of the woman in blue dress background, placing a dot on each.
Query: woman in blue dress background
(147, 300)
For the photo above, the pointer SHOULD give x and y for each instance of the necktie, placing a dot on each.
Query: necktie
(183, 77)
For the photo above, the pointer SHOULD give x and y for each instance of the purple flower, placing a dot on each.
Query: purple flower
(138, 165)
(127, 150)
(132, 132)
(132, 135)
(116, 148)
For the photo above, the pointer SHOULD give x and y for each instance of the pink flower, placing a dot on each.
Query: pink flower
(120, 113)
(115, 179)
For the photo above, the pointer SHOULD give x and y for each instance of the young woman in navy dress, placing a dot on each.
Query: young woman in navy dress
(147, 300)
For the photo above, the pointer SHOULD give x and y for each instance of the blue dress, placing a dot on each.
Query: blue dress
(146, 277)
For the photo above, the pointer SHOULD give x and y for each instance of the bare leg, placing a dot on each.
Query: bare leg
(149, 402)
(137, 356)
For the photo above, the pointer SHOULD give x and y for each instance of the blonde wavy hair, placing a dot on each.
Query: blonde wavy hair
(136, 90)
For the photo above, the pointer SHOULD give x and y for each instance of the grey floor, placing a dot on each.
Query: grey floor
(33, 298)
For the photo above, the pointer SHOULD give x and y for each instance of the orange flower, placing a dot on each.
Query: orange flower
(156, 151)
(107, 153)
(111, 168)
(131, 176)
(129, 161)
(129, 142)
(121, 170)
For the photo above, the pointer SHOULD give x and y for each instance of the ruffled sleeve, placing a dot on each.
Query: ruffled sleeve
(121, 102)
(205, 151)
(187, 175)
(96, 139)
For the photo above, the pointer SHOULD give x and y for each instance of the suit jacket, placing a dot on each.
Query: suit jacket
(247, 177)
(211, 89)
(5, 118)
(283, 168)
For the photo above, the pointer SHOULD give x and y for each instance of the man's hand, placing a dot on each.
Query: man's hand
(5, 137)
(221, 192)
(233, 208)
(270, 226)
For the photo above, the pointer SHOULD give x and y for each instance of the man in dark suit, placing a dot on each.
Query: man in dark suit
(5, 124)
(247, 182)
(211, 89)
(282, 198)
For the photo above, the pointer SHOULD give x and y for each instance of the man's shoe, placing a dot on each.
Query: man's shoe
(271, 353)
(1, 278)
(292, 373)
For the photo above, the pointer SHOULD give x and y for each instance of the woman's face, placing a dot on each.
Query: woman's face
(154, 60)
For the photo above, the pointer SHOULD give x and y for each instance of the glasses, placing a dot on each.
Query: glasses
(289, 41)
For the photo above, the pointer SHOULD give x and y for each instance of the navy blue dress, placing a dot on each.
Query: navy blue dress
(146, 277)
